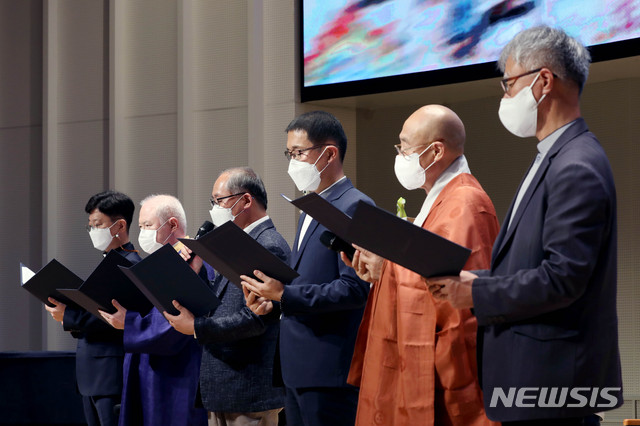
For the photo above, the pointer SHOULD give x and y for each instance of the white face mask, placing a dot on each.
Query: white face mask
(147, 239)
(519, 114)
(305, 175)
(101, 237)
(408, 170)
(221, 215)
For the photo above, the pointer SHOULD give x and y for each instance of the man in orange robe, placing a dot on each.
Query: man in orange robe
(415, 357)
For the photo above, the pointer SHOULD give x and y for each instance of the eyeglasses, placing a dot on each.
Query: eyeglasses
(504, 83)
(405, 152)
(90, 227)
(216, 201)
(299, 152)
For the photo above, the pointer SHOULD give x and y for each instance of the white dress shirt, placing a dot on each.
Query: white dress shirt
(308, 219)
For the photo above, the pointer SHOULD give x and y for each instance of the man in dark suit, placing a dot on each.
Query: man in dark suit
(239, 347)
(547, 306)
(323, 307)
(99, 354)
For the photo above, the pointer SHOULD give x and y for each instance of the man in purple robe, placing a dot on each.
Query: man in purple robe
(161, 365)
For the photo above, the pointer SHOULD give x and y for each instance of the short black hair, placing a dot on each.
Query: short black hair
(114, 204)
(244, 179)
(321, 127)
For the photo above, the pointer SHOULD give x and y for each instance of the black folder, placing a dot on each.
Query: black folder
(164, 276)
(232, 252)
(83, 300)
(404, 243)
(46, 282)
(325, 213)
(107, 282)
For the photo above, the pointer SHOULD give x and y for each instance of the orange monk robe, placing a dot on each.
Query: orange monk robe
(415, 357)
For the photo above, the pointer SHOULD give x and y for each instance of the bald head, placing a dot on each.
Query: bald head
(436, 123)
(436, 134)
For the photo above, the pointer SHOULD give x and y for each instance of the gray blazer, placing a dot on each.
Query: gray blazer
(547, 308)
(238, 346)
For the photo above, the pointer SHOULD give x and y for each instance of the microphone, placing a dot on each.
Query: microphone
(333, 242)
(205, 228)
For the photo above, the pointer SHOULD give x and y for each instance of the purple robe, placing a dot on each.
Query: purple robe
(161, 370)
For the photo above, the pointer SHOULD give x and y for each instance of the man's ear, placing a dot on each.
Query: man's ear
(120, 227)
(548, 80)
(439, 149)
(334, 152)
(173, 222)
(249, 200)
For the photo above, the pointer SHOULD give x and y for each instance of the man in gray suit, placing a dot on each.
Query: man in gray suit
(239, 346)
(547, 307)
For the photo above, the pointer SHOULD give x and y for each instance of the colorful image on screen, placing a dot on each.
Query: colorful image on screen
(353, 40)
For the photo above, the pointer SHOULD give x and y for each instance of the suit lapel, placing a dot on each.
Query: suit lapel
(331, 195)
(255, 232)
(498, 243)
(537, 178)
(307, 236)
(507, 231)
(295, 253)
(220, 286)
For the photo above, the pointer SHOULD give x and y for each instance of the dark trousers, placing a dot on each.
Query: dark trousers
(99, 410)
(591, 420)
(321, 406)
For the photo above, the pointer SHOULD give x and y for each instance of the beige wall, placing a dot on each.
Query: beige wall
(149, 96)
(20, 168)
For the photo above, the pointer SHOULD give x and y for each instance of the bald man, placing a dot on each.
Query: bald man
(415, 356)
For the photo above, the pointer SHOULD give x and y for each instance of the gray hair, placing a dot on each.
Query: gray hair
(168, 207)
(244, 179)
(552, 48)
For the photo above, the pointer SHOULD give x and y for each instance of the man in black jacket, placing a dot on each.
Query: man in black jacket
(99, 354)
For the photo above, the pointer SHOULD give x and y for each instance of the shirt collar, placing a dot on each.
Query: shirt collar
(126, 247)
(332, 185)
(253, 225)
(545, 144)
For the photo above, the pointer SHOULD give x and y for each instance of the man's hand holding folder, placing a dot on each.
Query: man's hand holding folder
(263, 286)
(367, 265)
(57, 310)
(258, 305)
(455, 289)
(184, 322)
(116, 320)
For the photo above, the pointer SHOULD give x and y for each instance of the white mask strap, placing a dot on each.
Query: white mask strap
(531, 87)
(318, 159)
